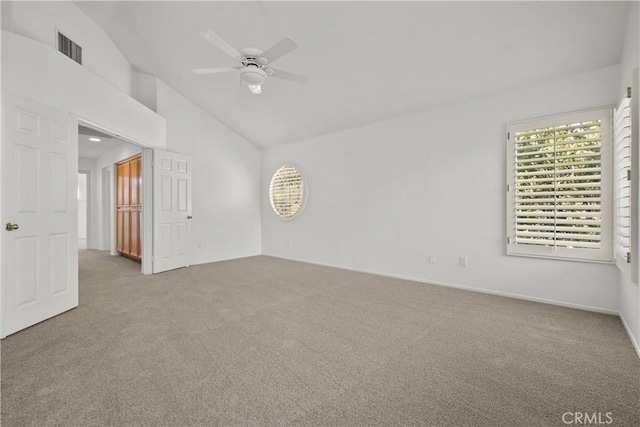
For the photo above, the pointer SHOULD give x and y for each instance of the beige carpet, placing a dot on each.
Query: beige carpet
(263, 341)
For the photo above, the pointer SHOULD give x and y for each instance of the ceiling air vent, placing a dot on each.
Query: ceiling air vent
(69, 48)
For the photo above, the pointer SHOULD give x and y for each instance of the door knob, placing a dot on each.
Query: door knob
(189, 217)
(10, 226)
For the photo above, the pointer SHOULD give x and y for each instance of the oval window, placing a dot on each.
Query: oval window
(287, 191)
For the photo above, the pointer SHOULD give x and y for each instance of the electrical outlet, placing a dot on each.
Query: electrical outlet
(463, 261)
(432, 259)
(284, 242)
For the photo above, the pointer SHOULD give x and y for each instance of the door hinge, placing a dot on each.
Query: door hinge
(508, 188)
(508, 240)
(508, 135)
(628, 257)
(628, 174)
(629, 92)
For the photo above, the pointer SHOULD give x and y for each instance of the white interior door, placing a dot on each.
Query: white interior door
(171, 211)
(40, 212)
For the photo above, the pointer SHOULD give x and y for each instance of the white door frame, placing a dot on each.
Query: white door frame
(108, 212)
(147, 198)
(88, 201)
(147, 210)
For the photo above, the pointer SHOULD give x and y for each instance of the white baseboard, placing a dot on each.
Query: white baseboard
(631, 337)
(464, 287)
(231, 258)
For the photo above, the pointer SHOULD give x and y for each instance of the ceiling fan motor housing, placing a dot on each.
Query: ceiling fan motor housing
(250, 52)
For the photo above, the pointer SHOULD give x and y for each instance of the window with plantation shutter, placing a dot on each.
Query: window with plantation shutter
(559, 186)
(622, 181)
(287, 191)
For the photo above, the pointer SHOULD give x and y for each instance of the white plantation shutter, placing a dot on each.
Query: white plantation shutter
(287, 191)
(559, 186)
(622, 181)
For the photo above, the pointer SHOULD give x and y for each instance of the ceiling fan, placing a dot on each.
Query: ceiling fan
(254, 68)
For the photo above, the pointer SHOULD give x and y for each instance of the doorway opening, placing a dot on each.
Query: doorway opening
(100, 153)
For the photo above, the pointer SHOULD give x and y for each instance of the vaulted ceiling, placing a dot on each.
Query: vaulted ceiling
(367, 60)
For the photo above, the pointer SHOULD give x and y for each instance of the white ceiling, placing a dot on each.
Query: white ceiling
(367, 60)
(94, 150)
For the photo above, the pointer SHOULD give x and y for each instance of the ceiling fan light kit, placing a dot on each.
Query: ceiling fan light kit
(254, 70)
(254, 77)
(255, 89)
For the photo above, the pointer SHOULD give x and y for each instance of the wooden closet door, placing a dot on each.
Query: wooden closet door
(129, 207)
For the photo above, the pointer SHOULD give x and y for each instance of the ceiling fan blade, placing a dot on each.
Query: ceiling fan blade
(221, 44)
(214, 70)
(280, 49)
(290, 76)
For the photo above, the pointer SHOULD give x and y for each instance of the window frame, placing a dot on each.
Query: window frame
(305, 190)
(605, 253)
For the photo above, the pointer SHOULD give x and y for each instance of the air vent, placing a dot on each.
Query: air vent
(69, 48)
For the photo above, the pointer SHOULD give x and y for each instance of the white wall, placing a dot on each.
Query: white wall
(39, 72)
(41, 20)
(86, 164)
(226, 179)
(629, 300)
(145, 90)
(384, 196)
